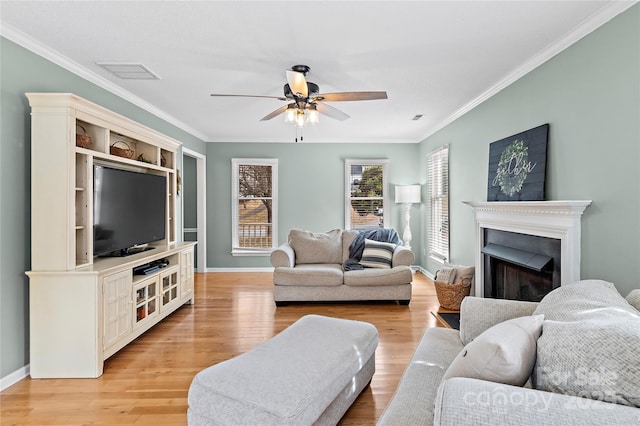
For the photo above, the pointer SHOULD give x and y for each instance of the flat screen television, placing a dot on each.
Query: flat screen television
(129, 210)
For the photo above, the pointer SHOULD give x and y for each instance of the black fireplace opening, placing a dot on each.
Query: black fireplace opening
(520, 266)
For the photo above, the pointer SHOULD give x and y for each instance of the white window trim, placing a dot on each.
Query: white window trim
(437, 256)
(347, 188)
(235, 162)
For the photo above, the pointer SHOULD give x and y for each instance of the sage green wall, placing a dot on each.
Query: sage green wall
(22, 71)
(590, 96)
(310, 189)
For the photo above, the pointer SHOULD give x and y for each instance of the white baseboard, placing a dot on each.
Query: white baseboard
(264, 269)
(414, 268)
(424, 271)
(13, 378)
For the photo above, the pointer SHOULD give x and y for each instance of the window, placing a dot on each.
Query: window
(254, 207)
(366, 204)
(438, 193)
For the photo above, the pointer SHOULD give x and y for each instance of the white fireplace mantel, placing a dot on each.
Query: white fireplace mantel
(552, 219)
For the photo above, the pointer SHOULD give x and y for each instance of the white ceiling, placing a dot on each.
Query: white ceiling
(435, 58)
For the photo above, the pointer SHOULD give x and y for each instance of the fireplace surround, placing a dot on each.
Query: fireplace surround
(559, 220)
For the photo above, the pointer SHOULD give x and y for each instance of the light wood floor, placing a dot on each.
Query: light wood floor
(147, 382)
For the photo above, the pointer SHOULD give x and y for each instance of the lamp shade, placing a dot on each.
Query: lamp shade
(407, 194)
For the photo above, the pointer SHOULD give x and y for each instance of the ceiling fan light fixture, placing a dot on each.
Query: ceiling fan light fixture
(304, 101)
(290, 115)
(313, 116)
(300, 118)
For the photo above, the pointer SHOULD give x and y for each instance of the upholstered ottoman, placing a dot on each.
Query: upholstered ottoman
(310, 373)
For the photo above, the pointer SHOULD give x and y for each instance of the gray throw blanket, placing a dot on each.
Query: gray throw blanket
(386, 235)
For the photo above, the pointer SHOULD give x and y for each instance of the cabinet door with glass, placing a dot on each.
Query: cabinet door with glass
(145, 295)
(169, 283)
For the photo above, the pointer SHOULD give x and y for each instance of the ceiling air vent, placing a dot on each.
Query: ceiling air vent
(129, 70)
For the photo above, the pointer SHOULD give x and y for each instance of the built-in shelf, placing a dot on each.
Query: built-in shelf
(100, 305)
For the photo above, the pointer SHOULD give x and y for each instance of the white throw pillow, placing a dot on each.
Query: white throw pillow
(504, 353)
(590, 344)
(377, 254)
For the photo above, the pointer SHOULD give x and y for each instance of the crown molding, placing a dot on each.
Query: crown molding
(57, 58)
(593, 22)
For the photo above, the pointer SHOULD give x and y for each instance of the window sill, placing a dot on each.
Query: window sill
(240, 252)
(437, 259)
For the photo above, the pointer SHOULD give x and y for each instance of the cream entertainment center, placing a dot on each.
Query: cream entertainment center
(90, 297)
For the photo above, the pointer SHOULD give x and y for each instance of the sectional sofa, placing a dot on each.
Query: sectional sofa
(571, 359)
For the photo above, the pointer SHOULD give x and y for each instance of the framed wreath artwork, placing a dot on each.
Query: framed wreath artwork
(517, 166)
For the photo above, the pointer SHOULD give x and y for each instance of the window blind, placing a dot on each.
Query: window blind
(365, 201)
(438, 194)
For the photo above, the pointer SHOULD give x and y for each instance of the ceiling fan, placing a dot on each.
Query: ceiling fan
(305, 100)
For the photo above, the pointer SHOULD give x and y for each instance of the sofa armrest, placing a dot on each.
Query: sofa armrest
(402, 256)
(478, 402)
(480, 313)
(283, 256)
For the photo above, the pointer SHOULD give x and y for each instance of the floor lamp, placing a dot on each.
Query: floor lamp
(407, 195)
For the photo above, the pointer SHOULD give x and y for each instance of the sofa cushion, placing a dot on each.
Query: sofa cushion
(378, 277)
(348, 236)
(589, 345)
(311, 247)
(313, 275)
(634, 299)
(505, 353)
(478, 314)
(377, 254)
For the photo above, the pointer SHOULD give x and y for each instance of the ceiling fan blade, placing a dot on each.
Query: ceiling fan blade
(281, 98)
(275, 113)
(331, 112)
(350, 96)
(297, 83)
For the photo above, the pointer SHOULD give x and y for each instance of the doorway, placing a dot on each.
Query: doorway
(194, 210)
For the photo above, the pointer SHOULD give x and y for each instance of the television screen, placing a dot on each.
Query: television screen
(129, 209)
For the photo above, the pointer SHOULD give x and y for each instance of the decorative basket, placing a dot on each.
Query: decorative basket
(450, 295)
(125, 152)
(82, 140)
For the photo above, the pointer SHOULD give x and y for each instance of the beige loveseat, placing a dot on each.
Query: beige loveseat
(309, 267)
